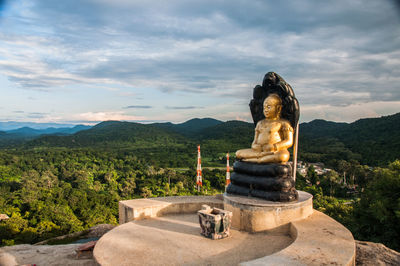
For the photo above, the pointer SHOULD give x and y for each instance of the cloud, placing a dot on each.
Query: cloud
(335, 54)
(138, 107)
(349, 113)
(105, 116)
(37, 115)
(92, 123)
(183, 107)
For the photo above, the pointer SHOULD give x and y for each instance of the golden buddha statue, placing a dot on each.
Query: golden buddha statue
(273, 136)
(262, 171)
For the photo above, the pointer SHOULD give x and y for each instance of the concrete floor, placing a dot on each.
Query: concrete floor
(176, 240)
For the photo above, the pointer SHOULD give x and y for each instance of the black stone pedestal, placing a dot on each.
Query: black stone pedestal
(268, 181)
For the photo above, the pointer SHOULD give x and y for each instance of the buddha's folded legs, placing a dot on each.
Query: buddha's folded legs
(247, 153)
(277, 157)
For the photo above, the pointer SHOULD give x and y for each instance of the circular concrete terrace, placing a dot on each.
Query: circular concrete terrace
(176, 240)
(165, 231)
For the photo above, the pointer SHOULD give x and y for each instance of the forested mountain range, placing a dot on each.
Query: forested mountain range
(27, 131)
(17, 136)
(191, 127)
(81, 177)
(373, 141)
(12, 125)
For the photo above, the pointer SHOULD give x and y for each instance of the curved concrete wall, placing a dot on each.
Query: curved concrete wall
(131, 210)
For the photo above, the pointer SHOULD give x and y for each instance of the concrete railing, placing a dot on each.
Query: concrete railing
(131, 210)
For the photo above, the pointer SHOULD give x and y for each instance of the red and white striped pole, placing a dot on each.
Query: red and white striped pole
(199, 180)
(228, 172)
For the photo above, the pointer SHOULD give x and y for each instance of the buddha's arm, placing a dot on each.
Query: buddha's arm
(255, 145)
(287, 140)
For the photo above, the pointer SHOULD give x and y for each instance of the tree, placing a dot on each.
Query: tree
(333, 178)
(145, 192)
(378, 212)
(312, 175)
(343, 167)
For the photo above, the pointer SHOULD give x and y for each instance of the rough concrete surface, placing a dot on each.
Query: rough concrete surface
(319, 240)
(44, 255)
(93, 232)
(369, 253)
(41, 254)
(176, 240)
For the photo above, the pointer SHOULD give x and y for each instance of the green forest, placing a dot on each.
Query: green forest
(53, 185)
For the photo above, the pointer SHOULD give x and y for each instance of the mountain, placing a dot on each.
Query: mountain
(24, 131)
(372, 141)
(11, 125)
(27, 131)
(376, 139)
(320, 128)
(20, 135)
(135, 135)
(73, 130)
(112, 134)
(191, 127)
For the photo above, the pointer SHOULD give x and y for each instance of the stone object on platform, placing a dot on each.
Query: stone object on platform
(262, 171)
(215, 223)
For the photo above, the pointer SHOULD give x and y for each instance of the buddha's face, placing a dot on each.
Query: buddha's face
(272, 107)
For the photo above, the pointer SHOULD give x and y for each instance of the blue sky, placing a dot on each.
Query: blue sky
(93, 60)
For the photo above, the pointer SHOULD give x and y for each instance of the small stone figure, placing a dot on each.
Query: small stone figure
(262, 171)
(214, 223)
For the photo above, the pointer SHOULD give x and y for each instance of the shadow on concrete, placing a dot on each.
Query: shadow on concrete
(184, 224)
(176, 240)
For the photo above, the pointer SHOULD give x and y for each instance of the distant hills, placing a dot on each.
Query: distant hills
(11, 125)
(23, 134)
(112, 134)
(27, 131)
(191, 127)
(373, 141)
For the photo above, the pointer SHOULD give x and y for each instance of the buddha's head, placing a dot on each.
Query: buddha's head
(272, 106)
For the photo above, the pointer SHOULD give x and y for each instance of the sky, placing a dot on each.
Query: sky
(88, 61)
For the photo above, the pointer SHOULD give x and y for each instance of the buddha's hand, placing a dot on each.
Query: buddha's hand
(269, 148)
(256, 147)
(264, 153)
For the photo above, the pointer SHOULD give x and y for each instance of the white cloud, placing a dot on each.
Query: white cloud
(340, 55)
(105, 116)
(349, 113)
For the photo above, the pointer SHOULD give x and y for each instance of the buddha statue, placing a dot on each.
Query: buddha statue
(263, 170)
(273, 136)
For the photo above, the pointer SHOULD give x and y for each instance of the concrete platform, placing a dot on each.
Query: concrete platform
(169, 237)
(176, 240)
(256, 215)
